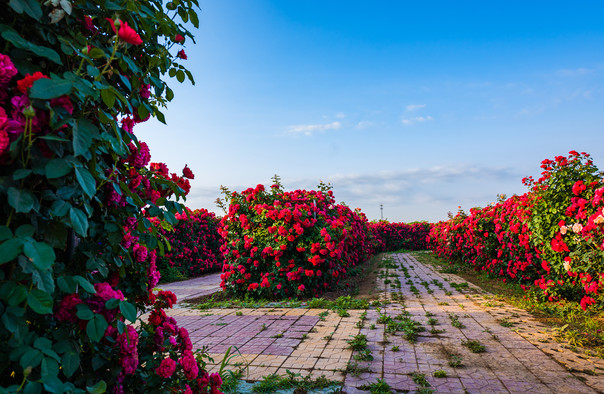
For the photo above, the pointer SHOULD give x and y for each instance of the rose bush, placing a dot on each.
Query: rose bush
(282, 244)
(396, 236)
(78, 197)
(195, 244)
(551, 237)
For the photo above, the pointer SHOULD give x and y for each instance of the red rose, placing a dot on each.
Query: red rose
(28, 81)
(126, 33)
(181, 54)
(179, 39)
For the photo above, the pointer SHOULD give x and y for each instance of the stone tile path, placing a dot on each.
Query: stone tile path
(517, 359)
(193, 288)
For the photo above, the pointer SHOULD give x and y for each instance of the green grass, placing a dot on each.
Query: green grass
(274, 382)
(474, 346)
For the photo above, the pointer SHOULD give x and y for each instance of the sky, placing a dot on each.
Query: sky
(417, 106)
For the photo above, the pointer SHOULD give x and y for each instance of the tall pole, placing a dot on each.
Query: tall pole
(382, 211)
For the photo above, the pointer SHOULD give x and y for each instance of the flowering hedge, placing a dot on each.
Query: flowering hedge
(397, 236)
(78, 195)
(195, 244)
(551, 237)
(282, 244)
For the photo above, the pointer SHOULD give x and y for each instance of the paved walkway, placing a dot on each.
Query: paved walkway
(193, 288)
(520, 358)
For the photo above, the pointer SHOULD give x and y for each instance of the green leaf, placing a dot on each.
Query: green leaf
(21, 173)
(44, 280)
(83, 312)
(30, 7)
(160, 116)
(40, 302)
(40, 253)
(96, 328)
(125, 81)
(194, 19)
(49, 368)
(96, 53)
(86, 285)
(17, 295)
(83, 133)
(108, 97)
(169, 94)
(60, 208)
(143, 112)
(46, 89)
(5, 233)
(98, 388)
(70, 361)
(92, 71)
(86, 180)
(66, 284)
(9, 250)
(180, 76)
(79, 221)
(31, 358)
(22, 200)
(57, 168)
(25, 230)
(128, 310)
(112, 303)
(19, 42)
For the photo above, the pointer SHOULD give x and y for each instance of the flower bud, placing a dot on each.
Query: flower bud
(27, 371)
(29, 112)
(85, 50)
(117, 23)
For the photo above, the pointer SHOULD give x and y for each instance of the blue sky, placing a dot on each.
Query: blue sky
(419, 106)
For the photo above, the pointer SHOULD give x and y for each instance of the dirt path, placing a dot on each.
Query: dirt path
(311, 342)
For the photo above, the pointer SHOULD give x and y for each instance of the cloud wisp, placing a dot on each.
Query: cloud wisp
(416, 119)
(310, 129)
(414, 107)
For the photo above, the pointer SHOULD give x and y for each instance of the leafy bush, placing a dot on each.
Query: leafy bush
(282, 244)
(77, 249)
(195, 245)
(550, 237)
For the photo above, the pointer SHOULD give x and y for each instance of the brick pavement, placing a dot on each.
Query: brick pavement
(193, 288)
(517, 359)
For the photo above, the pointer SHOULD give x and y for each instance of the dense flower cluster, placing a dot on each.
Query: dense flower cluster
(396, 236)
(282, 244)
(195, 244)
(551, 237)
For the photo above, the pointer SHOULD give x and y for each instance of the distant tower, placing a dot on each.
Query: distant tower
(382, 211)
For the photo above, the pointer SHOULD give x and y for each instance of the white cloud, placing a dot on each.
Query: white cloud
(363, 124)
(309, 129)
(340, 115)
(574, 73)
(414, 107)
(417, 119)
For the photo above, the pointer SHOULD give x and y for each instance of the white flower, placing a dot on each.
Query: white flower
(599, 219)
(577, 227)
(566, 265)
(563, 230)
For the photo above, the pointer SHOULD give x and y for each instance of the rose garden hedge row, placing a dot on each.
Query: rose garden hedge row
(396, 236)
(551, 237)
(282, 244)
(195, 244)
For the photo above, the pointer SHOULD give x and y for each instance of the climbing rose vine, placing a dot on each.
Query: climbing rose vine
(81, 202)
